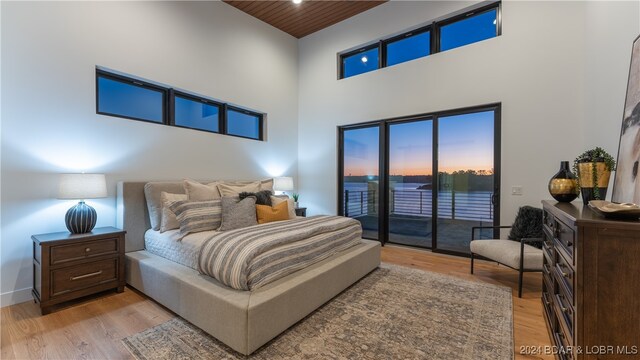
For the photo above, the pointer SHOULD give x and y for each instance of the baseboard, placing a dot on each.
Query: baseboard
(15, 297)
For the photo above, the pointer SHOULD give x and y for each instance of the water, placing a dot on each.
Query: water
(408, 200)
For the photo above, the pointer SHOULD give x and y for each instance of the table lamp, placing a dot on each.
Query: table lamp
(81, 218)
(283, 184)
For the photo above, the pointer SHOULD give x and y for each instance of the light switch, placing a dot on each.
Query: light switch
(516, 190)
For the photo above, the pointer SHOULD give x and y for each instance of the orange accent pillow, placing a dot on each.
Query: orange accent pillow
(266, 213)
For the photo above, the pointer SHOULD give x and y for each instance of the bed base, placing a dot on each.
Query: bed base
(246, 320)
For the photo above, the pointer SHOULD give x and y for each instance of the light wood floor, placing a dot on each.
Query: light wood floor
(92, 328)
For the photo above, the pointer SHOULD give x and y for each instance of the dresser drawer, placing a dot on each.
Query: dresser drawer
(565, 314)
(564, 348)
(83, 276)
(548, 220)
(548, 254)
(547, 305)
(565, 275)
(63, 253)
(565, 238)
(547, 278)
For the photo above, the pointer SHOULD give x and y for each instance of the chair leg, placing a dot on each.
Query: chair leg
(471, 263)
(520, 268)
(520, 283)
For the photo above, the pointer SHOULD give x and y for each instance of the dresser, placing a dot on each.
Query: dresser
(68, 266)
(591, 283)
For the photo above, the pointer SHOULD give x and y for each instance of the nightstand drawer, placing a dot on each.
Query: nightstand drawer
(83, 276)
(64, 253)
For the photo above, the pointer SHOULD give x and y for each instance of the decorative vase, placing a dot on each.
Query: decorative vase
(590, 190)
(563, 186)
(81, 218)
(297, 205)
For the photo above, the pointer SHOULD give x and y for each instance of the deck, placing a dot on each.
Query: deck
(453, 235)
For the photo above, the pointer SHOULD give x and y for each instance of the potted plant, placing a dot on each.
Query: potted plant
(295, 197)
(593, 168)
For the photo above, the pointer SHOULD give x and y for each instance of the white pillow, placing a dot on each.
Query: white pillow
(201, 192)
(168, 221)
(231, 190)
(275, 200)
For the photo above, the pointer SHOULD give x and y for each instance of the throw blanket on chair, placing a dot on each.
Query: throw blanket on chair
(248, 258)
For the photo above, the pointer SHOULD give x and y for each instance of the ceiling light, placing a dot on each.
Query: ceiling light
(297, 1)
(364, 59)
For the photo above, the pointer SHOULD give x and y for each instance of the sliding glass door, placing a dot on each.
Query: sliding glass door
(410, 182)
(360, 178)
(466, 178)
(424, 180)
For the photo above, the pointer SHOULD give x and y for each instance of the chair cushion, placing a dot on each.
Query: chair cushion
(507, 252)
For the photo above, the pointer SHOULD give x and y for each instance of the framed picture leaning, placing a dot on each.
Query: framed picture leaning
(626, 186)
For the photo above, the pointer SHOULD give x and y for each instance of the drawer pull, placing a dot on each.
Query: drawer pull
(87, 249)
(564, 309)
(564, 274)
(85, 275)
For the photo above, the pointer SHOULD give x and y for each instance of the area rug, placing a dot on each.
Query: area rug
(393, 313)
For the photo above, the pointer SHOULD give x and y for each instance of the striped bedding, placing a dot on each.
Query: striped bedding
(251, 257)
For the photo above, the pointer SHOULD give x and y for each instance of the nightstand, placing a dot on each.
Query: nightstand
(301, 211)
(68, 266)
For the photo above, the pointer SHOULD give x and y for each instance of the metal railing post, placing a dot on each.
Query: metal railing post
(453, 204)
(392, 208)
(420, 202)
(362, 202)
(490, 206)
(346, 203)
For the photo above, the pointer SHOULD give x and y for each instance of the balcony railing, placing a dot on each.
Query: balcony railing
(476, 206)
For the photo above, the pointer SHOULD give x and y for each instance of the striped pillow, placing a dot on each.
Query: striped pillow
(197, 216)
(168, 220)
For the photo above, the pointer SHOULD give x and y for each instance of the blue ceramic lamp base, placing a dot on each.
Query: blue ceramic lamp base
(81, 218)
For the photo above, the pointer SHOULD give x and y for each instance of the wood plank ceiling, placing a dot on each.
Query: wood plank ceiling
(303, 19)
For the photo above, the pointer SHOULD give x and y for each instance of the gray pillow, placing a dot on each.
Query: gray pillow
(238, 214)
(197, 216)
(152, 193)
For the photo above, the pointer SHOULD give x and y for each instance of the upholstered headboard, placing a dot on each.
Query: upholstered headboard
(132, 213)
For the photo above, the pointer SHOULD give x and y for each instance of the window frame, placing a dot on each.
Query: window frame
(406, 35)
(173, 93)
(433, 27)
(137, 83)
(481, 10)
(260, 117)
(343, 56)
(168, 104)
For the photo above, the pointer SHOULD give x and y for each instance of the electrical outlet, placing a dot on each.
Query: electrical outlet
(516, 190)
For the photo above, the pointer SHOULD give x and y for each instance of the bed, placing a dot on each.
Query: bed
(243, 320)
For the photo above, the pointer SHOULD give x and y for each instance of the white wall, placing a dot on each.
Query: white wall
(611, 28)
(536, 69)
(49, 124)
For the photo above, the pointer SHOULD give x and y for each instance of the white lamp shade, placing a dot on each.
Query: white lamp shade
(82, 186)
(284, 183)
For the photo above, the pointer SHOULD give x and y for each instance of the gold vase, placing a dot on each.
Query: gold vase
(589, 190)
(563, 186)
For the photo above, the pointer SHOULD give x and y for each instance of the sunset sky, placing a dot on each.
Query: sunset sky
(465, 142)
